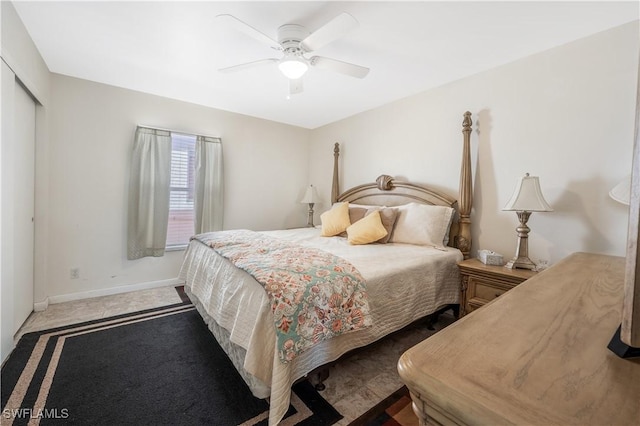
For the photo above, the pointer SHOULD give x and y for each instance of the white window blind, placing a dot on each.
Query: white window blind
(181, 213)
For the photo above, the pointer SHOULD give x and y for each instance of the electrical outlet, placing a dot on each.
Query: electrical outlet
(74, 273)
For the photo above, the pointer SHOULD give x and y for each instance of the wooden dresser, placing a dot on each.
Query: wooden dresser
(536, 355)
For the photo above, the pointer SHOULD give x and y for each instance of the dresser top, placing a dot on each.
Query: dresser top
(536, 355)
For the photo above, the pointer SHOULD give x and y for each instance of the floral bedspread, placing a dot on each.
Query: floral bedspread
(314, 295)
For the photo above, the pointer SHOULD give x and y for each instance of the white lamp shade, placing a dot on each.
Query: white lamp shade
(528, 196)
(622, 191)
(293, 67)
(310, 196)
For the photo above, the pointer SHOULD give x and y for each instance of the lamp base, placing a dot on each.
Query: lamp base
(520, 263)
(310, 218)
(521, 259)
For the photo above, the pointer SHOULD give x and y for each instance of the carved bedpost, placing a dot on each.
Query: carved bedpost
(466, 197)
(335, 187)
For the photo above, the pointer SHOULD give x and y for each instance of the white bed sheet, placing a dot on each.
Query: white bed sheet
(404, 283)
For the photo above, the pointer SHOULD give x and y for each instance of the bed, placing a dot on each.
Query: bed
(404, 282)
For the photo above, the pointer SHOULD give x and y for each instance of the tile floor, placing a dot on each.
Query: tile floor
(356, 383)
(60, 314)
(360, 381)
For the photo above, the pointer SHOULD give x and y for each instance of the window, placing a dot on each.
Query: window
(181, 213)
(172, 175)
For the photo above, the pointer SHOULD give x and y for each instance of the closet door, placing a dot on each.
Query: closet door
(23, 197)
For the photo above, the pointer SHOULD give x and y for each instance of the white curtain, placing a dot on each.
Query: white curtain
(208, 185)
(149, 187)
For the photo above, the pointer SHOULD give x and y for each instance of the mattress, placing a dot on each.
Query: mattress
(404, 283)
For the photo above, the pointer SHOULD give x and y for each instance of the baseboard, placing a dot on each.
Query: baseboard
(41, 306)
(108, 291)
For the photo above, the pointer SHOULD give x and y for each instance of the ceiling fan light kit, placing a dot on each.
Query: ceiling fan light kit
(293, 67)
(294, 41)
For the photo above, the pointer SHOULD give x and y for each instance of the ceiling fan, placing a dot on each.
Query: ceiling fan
(294, 41)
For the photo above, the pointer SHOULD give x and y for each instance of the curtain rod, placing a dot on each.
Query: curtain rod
(176, 131)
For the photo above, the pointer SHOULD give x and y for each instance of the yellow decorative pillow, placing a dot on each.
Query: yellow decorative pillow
(336, 220)
(367, 230)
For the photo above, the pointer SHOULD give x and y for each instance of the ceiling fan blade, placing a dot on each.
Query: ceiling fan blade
(332, 30)
(241, 26)
(241, 67)
(295, 86)
(339, 66)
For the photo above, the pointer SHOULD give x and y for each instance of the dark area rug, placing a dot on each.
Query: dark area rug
(160, 366)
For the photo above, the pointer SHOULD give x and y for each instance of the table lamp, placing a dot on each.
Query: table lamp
(310, 197)
(622, 191)
(526, 198)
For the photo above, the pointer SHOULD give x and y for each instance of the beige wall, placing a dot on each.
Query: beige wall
(91, 134)
(565, 115)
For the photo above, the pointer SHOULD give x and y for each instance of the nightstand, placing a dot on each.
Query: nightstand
(482, 283)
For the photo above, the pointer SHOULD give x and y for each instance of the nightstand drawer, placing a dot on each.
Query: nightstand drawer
(483, 283)
(481, 289)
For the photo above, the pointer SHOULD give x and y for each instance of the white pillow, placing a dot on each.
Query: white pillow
(422, 224)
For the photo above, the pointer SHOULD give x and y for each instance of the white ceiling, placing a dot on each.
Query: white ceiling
(174, 49)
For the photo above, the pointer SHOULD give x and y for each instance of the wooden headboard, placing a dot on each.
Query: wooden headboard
(386, 191)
